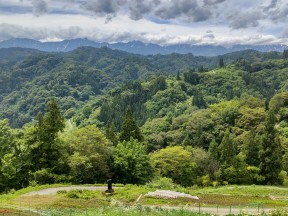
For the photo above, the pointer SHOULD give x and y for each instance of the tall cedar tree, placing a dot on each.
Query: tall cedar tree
(178, 75)
(227, 149)
(130, 128)
(251, 149)
(270, 154)
(198, 100)
(111, 133)
(46, 152)
(221, 62)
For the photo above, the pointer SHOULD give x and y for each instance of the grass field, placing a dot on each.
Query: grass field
(231, 198)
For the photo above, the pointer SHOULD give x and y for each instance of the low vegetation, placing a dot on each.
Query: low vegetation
(131, 199)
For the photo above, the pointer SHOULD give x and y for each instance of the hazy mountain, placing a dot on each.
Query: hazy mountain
(136, 47)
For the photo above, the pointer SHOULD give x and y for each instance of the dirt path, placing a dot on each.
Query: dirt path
(53, 191)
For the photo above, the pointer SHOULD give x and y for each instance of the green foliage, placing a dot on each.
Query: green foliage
(130, 128)
(198, 100)
(90, 155)
(270, 153)
(161, 183)
(81, 194)
(175, 163)
(6, 138)
(131, 163)
(251, 149)
(191, 77)
(227, 149)
(194, 110)
(46, 150)
(111, 134)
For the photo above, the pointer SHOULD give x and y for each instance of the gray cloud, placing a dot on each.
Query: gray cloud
(272, 5)
(16, 31)
(251, 13)
(245, 19)
(209, 36)
(187, 9)
(101, 7)
(139, 8)
(213, 2)
(67, 33)
(279, 14)
(39, 7)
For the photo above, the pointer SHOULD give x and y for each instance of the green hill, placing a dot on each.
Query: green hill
(29, 78)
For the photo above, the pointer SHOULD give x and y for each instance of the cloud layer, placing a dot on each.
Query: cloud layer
(167, 21)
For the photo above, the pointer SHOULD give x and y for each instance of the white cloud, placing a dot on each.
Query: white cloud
(177, 21)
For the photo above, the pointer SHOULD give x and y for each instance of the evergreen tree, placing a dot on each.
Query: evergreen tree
(221, 62)
(130, 128)
(191, 77)
(252, 149)
(178, 75)
(213, 150)
(46, 148)
(111, 133)
(201, 69)
(270, 154)
(198, 100)
(53, 121)
(227, 149)
(199, 139)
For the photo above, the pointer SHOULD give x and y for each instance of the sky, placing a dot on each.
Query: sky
(216, 22)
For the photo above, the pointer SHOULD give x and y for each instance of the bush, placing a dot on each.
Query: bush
(161, 183)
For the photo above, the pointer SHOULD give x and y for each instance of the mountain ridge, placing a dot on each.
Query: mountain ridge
(136, 47)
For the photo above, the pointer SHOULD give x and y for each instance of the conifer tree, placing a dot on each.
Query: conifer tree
(252, 149)
(53, 121)
(221, 62)
(213, 150)
(45, 151)
(270, 154)
(227, 149)
(178, 75)
(111, 133)
(198, 100)
(130, 128)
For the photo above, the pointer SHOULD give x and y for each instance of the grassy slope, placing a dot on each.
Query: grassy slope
(124, 200)
(226, 195)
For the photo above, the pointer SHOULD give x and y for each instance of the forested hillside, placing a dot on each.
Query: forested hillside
(29, 78)
(94, 114)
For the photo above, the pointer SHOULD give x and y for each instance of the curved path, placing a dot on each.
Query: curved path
(53, 191)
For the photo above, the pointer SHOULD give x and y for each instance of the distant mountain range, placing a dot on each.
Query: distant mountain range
(136, 47)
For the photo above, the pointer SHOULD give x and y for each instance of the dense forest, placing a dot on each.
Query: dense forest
(93, 114)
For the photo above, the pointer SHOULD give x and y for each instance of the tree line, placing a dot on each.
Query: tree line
(223, 126)
(43, 153)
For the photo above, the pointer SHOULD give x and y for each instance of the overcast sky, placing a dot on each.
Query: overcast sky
(219, 22)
